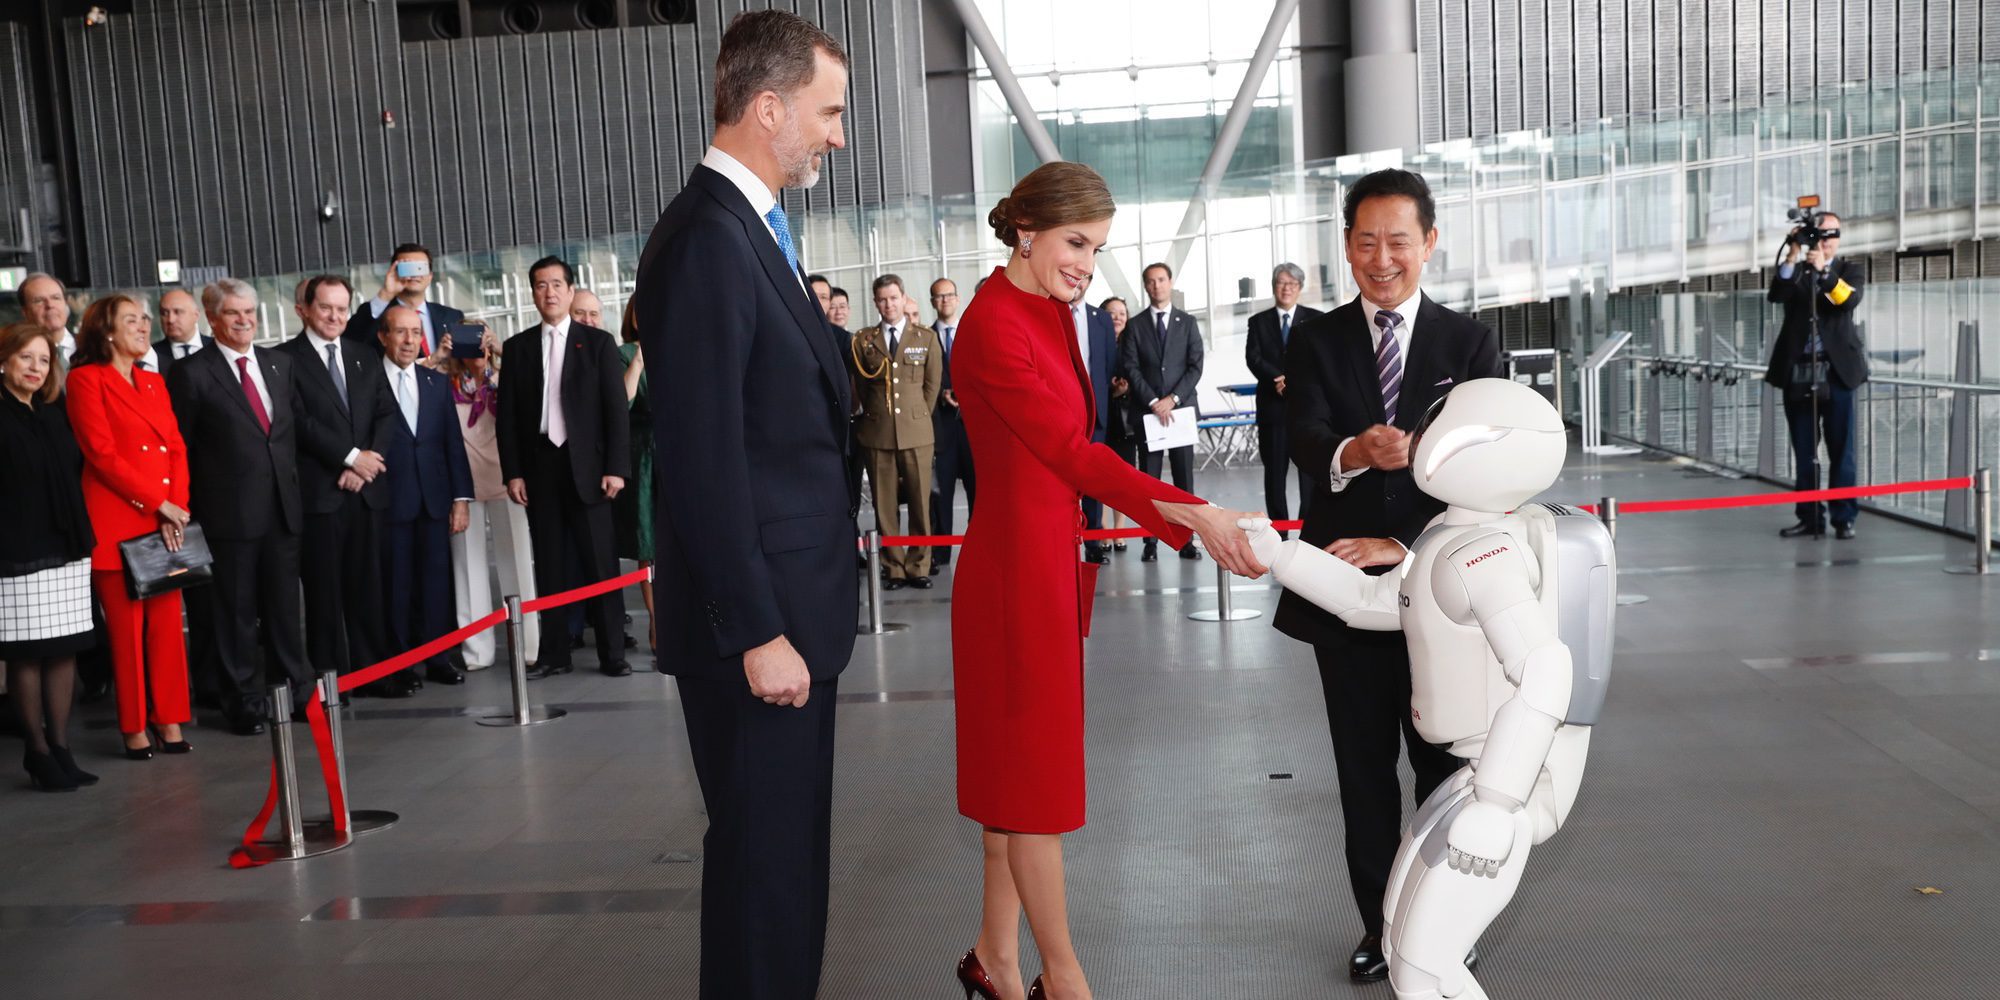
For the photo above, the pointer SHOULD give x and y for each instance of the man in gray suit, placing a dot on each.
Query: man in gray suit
(1160, 355)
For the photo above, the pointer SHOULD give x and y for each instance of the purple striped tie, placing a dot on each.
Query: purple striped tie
(1389, 363)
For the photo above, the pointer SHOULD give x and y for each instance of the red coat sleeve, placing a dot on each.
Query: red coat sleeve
(997, 368)
(99, 440)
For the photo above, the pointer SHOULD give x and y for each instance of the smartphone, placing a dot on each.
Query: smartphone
(412, 268)
(465, 340)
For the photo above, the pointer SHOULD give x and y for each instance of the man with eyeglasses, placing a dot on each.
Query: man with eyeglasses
(1270, 336)
(954, 451)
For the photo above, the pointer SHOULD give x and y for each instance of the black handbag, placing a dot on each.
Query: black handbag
(151, 570)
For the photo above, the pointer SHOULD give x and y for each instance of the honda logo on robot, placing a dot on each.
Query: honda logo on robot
(1480, 559)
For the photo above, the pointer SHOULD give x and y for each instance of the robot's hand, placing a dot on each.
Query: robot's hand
(1264, 540)
(1481, 838)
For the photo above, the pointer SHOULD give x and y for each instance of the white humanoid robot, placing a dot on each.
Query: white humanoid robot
(1508, 609)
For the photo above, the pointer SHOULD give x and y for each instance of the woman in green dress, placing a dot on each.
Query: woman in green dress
(633, 510)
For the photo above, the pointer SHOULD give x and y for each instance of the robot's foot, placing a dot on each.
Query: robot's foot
(1412, 983)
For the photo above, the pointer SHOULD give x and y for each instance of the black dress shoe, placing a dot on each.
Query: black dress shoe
(1189, 552)
(387, 687)
(897, 583)
(921, 582)
(631, 643)
(1118, 546)
(1844, 532)
(245, 726)
(548, 670)
(616, 668)
(1801, 530)
(1368, 964)
(1151, 553)
(444, 673)
(139, 753)
(576, 641)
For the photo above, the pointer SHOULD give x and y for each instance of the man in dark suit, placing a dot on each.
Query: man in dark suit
(565, 452)
(1264, 349)
(344, 423)
(1820, 376)
(237, 411)
(1358, 380)
(1161, 356)
(754, 580)
(954, 450)
(409, 276)
(424, 496)
(180, 329)
(1097, 342)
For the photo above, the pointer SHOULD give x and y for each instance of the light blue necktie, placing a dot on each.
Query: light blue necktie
(783, 231)
(406, 396)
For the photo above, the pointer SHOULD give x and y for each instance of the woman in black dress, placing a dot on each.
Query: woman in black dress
(44, 554)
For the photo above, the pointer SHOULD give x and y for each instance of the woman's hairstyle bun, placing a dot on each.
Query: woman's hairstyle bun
(1053, 194)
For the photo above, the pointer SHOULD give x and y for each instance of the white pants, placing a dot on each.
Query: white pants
(471, 573)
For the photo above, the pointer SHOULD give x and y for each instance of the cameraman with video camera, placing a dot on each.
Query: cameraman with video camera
(1818, 363)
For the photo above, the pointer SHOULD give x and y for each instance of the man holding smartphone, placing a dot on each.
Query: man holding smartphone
(407, 281)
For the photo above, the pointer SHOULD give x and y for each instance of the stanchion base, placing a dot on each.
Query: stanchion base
(887, 627)
(359, 821)
(537, 714)
(1627, 600)
(1236, 615)
(324, 840)
(1966, 571)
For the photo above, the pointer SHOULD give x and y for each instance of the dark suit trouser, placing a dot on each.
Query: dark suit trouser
(1836, 426)
(766, 776)
(1274, 449)
(416, 582)
(574, 547)
(954, 465)
(340, 566)
(204, 662)
(255, 614)
(1182, 462)
(1367, 684)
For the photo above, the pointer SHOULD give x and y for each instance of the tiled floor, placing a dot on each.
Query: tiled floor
(1799, 736)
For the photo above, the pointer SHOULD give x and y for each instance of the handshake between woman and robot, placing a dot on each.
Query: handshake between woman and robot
(1507, 606)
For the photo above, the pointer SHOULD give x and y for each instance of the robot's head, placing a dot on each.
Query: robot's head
(1489, 444)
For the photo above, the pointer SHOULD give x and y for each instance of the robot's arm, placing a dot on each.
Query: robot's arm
(1495, 578)
(1363, 601)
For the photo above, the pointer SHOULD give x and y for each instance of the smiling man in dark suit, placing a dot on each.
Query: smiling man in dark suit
(424, 496)
(344, 411)
(1161, 356)
(1264, 350)
(754, 549)
(1358, 379)
(565, 453)
(236, 408)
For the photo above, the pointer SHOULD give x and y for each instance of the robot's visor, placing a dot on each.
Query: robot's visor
(1458, 439)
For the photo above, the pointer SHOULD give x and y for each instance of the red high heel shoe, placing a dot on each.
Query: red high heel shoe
(1036, 992)
(973, 977)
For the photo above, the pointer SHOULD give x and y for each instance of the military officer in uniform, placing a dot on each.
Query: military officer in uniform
(899, 369)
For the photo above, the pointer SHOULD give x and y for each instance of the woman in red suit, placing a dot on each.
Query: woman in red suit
(135, 480)
(1018, 603)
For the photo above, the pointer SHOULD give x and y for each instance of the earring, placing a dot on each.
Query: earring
(1027, 247)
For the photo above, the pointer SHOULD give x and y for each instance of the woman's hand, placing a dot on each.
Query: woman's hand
(173, 524)
(1220, 534)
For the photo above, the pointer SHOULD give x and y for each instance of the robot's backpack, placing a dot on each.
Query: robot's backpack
(1585, 595)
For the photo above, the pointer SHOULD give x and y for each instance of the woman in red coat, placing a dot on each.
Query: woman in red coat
(135, 480)
(1017, 605)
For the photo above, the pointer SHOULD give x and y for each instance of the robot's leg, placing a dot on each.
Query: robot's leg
(1447, 794)
(1442, 912)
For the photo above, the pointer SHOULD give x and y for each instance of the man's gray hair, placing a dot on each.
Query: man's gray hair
(21, 293)
(1297, 273)
(774, 50)
(225, 288)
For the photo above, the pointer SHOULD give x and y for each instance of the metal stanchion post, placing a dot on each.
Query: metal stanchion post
(1607, 511)
(1982, 526)
(1227, 612)
(876, 626)
(295, 841)
(524, 714)
(359, 821)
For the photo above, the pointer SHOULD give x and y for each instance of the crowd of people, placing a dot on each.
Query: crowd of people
(358, 487)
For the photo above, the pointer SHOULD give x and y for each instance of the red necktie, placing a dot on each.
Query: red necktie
(250, 393)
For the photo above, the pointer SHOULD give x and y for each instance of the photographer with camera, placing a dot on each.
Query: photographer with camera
(1818, 363)
(405, 283)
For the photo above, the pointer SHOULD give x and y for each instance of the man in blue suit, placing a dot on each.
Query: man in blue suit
(754, 541)
(428, 487)
(1097, 342)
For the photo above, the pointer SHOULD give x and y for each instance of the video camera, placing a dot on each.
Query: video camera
(1807, 231)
